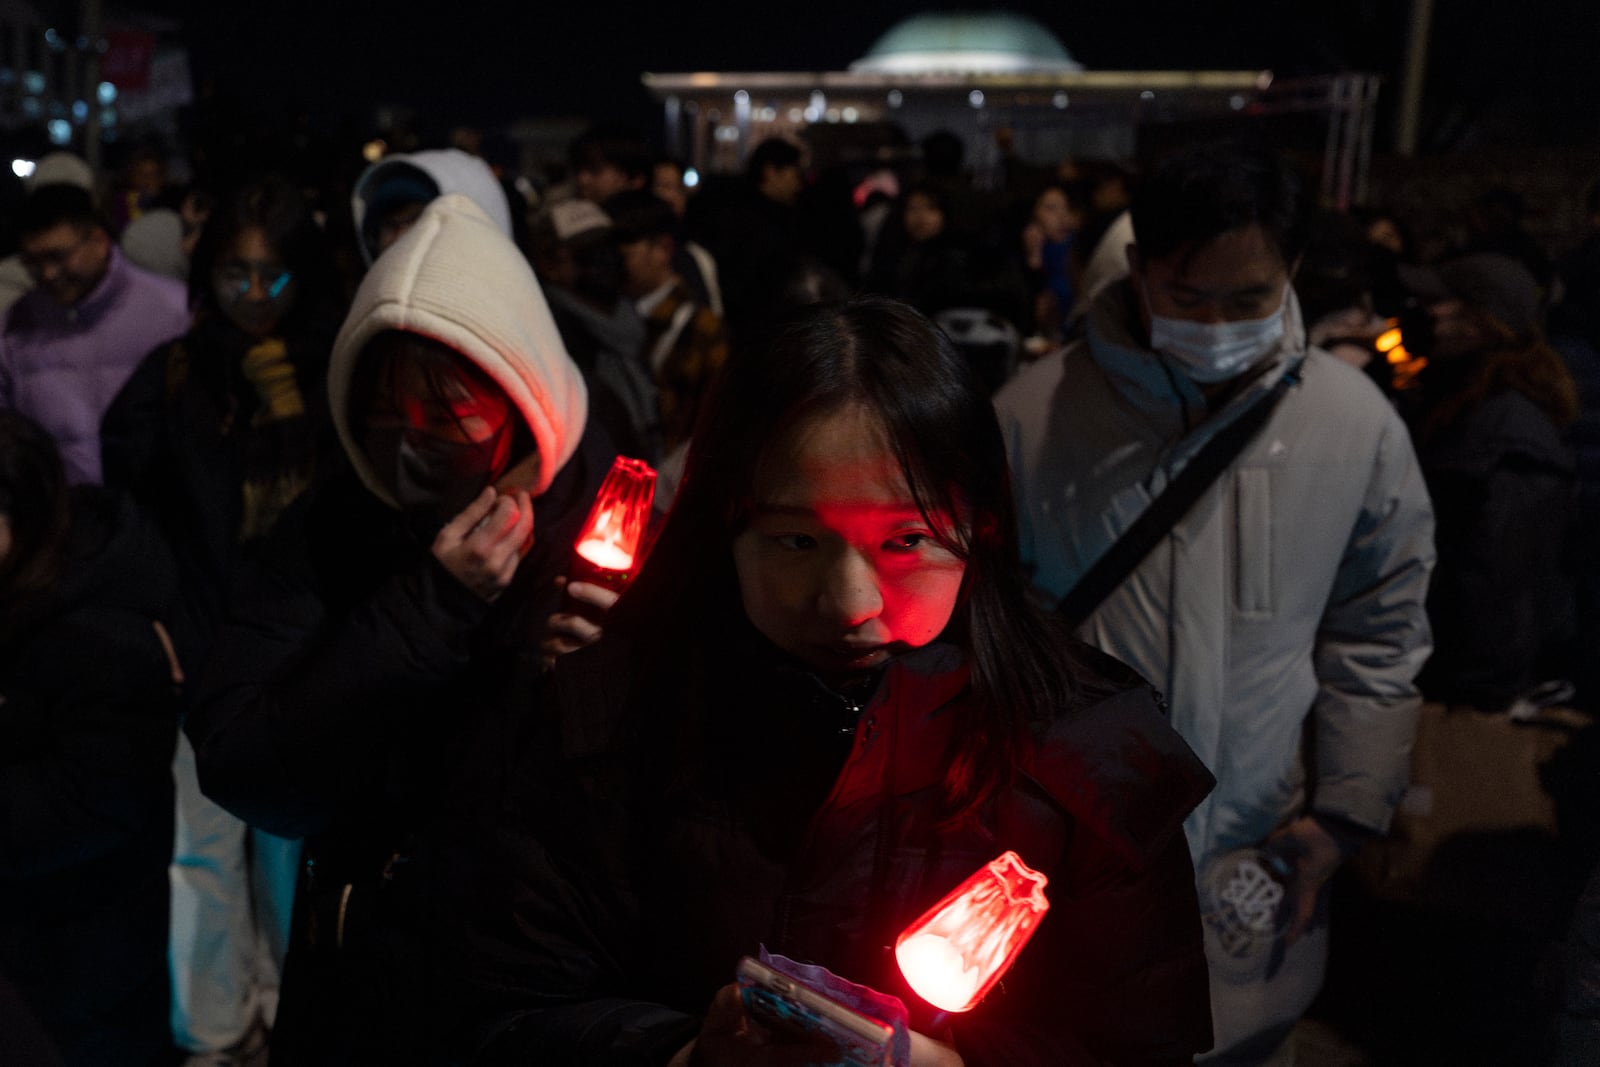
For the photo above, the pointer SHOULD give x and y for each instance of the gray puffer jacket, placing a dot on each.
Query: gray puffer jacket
(1290, 599)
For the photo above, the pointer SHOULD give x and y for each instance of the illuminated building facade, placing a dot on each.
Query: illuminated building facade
(1005, 83)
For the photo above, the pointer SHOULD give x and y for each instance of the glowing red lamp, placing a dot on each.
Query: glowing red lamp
(955, 953)
(608, 547)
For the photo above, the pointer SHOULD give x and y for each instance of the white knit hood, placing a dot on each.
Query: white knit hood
(455, 278)
(447, 170)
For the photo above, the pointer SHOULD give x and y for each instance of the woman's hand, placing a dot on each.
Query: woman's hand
(730, 1038)
(482, 546)
(926, 1052)
(568, 631)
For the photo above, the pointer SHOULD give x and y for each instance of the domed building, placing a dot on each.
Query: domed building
(995, 78)
(967, 43)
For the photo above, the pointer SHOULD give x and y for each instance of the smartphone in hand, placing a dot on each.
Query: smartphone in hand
(784, 1005)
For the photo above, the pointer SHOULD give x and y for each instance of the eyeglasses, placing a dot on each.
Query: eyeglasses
(235, 279)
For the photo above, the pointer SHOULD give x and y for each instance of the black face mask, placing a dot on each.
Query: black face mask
(432, 476)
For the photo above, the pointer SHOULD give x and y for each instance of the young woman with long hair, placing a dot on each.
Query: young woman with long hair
(826, 701)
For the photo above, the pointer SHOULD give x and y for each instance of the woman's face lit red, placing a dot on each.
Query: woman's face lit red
(837, 567)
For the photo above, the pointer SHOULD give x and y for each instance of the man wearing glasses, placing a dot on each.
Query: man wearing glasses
(68, 346)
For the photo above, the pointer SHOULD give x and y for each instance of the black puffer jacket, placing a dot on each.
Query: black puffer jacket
(88, 721)
(634, 865)
(187, 436)
(1501, 603)
(336, 705)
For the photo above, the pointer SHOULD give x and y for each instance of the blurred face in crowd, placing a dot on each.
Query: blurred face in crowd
(1236, 276)
(1385, 234)
(67, 261)
(601, 181)
(1055, 215)
(1457, 331)
(667, 183)
(647, 265)
(924, 219)
(147, 177)
(837, 566)
(253, 286)
(783, 184)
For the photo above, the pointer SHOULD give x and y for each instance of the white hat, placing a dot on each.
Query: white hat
(570, 218)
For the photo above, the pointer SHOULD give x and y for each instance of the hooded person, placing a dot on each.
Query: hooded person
(390, 195)
(390, 607)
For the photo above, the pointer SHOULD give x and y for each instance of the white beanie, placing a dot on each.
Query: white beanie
(455, 278)
(61, 168)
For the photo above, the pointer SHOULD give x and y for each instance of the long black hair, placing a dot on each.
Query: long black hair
(884, 355)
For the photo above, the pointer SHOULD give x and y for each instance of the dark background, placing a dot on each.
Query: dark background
(1499, 72)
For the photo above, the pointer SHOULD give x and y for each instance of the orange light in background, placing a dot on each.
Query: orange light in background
(955, 953)
(1404, 366)
(608, 547)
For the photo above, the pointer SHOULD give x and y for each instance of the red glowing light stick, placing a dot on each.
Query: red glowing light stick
(960, 948)
(608, 547)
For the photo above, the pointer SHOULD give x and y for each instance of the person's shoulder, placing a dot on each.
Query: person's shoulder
(1036, 381)
(148, 282)
(1115, 763)
(158, 302)
(1330, 384)
(1511, 422)
(166, 365)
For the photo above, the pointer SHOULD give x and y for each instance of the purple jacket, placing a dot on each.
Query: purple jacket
(62, 367)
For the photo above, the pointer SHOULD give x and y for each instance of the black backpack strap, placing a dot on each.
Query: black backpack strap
(1157, 520)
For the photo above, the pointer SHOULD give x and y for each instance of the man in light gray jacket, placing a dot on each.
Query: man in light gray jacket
(1283, 612)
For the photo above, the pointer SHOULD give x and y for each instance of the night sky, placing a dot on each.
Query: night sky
(486, 63)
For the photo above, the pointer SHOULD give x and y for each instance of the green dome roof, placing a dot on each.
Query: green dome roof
(966, 42)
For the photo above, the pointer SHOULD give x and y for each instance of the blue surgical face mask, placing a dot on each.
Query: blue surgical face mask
(1217, 351)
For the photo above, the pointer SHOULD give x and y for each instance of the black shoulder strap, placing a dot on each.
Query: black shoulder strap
(1163, 514)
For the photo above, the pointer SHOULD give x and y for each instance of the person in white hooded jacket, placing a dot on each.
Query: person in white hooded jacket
(391, 194)
(1283, 614)
(392, 606)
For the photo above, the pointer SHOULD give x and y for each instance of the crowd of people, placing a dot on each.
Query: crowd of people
(1119, 517)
